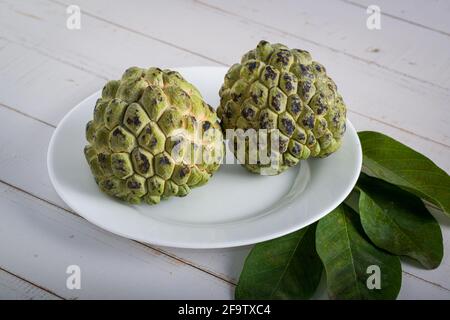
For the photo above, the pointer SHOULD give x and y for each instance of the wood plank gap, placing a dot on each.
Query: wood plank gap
(221, 277)
(172, 256)
(427, 281)
(26, 115)
(32, 283)
(399, 18)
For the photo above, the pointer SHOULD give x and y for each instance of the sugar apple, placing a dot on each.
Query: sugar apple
(152, 136)
(289, 95)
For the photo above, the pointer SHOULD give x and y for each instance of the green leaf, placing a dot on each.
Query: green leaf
(346, 254)
(390, 160)
(352, 199)
(398, 222)
(283, 268)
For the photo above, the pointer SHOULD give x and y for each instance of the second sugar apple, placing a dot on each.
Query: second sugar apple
(280, 89)
(152, 137)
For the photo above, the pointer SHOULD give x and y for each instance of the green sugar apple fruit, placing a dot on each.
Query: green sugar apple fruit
(285, 93)
(152, 137)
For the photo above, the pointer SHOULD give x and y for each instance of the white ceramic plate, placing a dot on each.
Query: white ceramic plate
(235, 208)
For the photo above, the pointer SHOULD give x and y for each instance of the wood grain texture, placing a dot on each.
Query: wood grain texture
(111, 267)
(47, 69)
(429, 14)
(341, 26)
(15, 288)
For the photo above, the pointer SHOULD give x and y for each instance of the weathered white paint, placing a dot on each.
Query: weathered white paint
(14, 288)
(47, 69)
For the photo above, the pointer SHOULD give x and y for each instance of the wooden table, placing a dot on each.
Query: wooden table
(395, 80)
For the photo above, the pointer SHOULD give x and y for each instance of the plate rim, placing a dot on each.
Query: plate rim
(196, 245)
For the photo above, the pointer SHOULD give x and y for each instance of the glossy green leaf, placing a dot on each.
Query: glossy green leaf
(390, 160)
(398, 222)
(283, 268)
(348, 256)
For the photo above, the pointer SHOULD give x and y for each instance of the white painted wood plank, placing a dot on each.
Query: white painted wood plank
(14, 288)
(342, 26)
(415, 106)
(416, 289)
(206, 259)
(433, 14)
(41, 86)
(33, 38)
(98, 47)
(47, 240)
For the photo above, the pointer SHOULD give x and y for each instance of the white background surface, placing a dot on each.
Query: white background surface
(395, 80)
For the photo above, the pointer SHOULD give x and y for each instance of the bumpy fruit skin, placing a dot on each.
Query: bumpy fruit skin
(277, 88)
(152, 137)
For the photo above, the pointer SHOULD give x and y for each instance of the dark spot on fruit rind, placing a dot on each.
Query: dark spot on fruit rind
(206, 125)
(276, 103)
(134, 121)
(321, 109)
(301, 136)
(296, 149)
(309, 121)
(177, 141)
(283, 57)
(282, 145)
(295, 106)
(102, 157)
(108, 184)
(144, 164)
(270, 73)
(336, 118)
(265, 123)
(164, 160)
(289, 85)
(133, 184)
(153, 142)
(236, 97)
(120, 165)
(288, 82)
(288, 125)
(306, 87)
(228, 113)
(117, 132)
(248, 113)
(252, 66)
(184, 171)
(311, 140)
